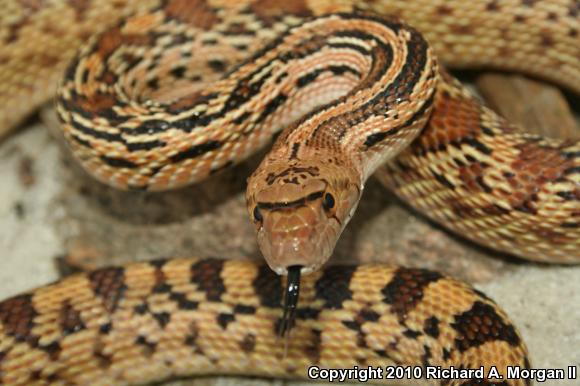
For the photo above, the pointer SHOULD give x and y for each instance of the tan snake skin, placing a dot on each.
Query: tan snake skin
(469, 170)
(151, 321)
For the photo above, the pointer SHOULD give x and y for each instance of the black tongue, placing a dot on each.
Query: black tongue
(290, 300)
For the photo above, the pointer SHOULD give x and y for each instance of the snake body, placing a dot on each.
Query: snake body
(151, 321)
(146, 105)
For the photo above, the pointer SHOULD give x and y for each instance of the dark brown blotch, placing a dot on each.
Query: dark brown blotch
(225, 319)
(237, 29)
(104, 360)
(14, 31)
(141, 309)
(385, 354)
(368, 315)
(105, 328)
(29, 9)
(547, 40)
(109, 285)
(446, 354)
(535, 166)
(443, 180)
(444, 10)
(148, 347)
(412, 334)
(17, 316)
(312, 349)
(183, 303)
(80, 8)
(206, 274)
(161, 286)
(492, 6)
(217, 65)
(482, 184)
(195, 12)
(305, 313)
(431, 327)
(162, 318)
(406, 289)
(269, 11)
(268, 287)
(460, 29)
(191, 338)
(426, 355)
(53, 349)
(333, 286)
(482, 324)
(70, 320)
(158, 263)
(248, 344)
(244, 309)
(36, 375)
(178, 72)
(352, 325)
(97, 103)
(109, 41)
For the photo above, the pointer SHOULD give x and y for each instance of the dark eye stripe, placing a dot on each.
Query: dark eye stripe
(314, 196)
(290, 204)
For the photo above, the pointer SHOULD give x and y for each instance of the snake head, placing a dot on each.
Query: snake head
(299, 211)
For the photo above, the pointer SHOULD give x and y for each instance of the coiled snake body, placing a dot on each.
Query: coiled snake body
(151, 321)
(144, 106)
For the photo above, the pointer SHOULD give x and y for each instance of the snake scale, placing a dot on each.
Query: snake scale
(146, 105)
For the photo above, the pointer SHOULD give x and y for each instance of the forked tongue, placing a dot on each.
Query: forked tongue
(290, 304)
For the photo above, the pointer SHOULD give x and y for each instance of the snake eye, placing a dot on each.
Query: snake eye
(328, 202)
(257, 214)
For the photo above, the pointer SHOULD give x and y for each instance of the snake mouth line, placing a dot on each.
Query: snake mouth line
(272, 206)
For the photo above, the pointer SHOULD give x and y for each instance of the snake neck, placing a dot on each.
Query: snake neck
(306, 190)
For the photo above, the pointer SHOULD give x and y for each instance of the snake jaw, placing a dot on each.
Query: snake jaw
(302, 236)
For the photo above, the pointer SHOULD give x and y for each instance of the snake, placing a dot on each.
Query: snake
(166, 93)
